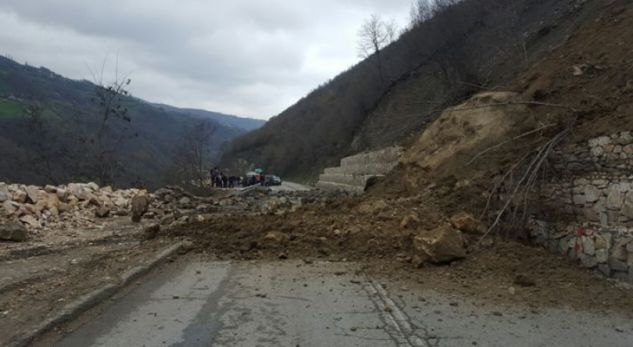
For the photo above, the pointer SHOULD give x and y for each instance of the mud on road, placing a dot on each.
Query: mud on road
(371, 232)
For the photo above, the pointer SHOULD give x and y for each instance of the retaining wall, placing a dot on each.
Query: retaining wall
(355, 171)
(587, 210)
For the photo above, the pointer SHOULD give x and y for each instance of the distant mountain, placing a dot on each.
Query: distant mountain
(52, 150)
(224, 119)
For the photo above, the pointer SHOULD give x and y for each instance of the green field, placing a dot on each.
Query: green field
(10, 109)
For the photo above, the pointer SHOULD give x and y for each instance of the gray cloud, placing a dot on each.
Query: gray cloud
(245, 57)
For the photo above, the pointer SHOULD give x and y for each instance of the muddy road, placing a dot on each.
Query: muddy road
(200, 302)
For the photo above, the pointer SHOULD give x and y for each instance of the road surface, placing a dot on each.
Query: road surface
(284, 187)
(290, 186)
(206, 303)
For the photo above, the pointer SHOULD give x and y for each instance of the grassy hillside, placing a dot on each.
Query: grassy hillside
(10, 108)
(473, 45)
(69, 112)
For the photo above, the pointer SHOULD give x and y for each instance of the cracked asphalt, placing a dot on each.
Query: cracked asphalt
(294, 303)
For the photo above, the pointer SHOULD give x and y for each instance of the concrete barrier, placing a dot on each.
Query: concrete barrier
(355, 171)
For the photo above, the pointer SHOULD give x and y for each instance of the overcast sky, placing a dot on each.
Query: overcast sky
(245, 57)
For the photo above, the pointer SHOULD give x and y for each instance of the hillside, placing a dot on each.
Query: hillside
(248, 124)
(471, 46)
(68, 112)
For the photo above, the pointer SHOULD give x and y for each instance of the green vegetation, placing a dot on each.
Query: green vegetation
(10, 109)
(48, 131)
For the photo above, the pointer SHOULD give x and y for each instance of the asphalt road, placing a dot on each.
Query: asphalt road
(204, 303)
(290, 186)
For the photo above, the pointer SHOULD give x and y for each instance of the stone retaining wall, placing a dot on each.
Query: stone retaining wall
(355, 171)
(587, 210)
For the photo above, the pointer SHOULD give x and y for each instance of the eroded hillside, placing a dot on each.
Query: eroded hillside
(473, 46)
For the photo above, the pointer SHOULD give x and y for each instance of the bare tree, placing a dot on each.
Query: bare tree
(374, 35)
(113, 129)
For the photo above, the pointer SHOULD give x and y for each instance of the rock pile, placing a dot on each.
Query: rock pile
(73, 205)
(86, 204)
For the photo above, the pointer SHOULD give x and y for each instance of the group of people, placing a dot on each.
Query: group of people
(220, 180)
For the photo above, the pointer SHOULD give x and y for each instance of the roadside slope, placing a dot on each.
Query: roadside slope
(474, 44)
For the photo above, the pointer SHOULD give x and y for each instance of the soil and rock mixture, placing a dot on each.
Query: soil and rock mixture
(408, 220)
(380, 234)
(420, 223)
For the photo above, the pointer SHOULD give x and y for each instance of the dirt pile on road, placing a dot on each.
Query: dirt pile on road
(336, 227)
(583, 85)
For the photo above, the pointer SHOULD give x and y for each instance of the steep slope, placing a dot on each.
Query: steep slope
(68, 110)
(473, 45)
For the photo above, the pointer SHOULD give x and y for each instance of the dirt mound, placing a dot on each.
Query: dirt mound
(344, 228)
(463, 131)
(585, 84)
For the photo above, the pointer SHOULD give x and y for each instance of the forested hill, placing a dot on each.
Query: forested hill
(225, 119)
(445, 56)
(47, 123)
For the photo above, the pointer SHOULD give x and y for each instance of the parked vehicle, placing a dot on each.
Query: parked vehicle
(272, 180)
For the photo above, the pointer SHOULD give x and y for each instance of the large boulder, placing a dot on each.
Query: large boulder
(439, 246)
(13, 231)
(19, 195)
(62, 194)
(140, 203)
(35, 194)
(10, 207)
(80, 191)
(93, 187)
(466, 130)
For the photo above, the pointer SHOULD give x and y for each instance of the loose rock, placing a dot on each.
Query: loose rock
(13, 231)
